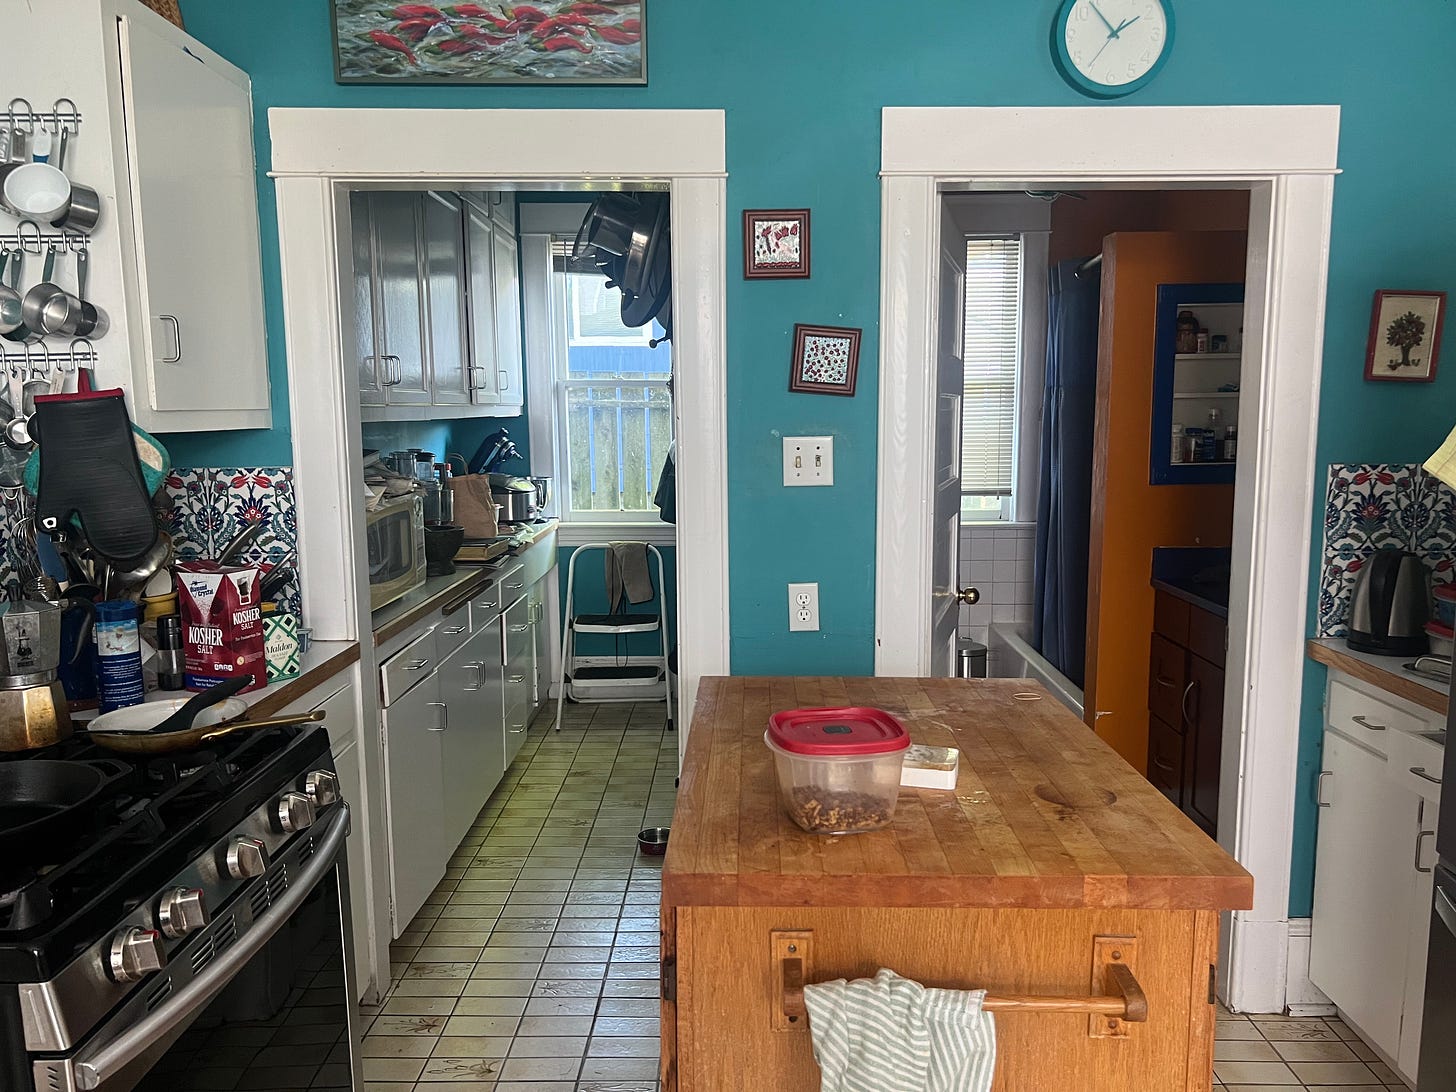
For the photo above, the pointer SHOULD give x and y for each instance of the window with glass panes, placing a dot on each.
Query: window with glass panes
(994, 272)
(613, 398)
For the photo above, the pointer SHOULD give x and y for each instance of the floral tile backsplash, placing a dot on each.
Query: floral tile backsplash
(211, 505)
(1370, 506)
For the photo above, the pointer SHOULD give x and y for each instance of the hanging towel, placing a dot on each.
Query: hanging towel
(627, 571)
(889, 1034)
(666, 496)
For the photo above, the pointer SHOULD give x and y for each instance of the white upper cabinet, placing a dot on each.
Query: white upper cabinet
(166, 141)
(480, 292)
(444, 262)
(509, 360)
(399, 292)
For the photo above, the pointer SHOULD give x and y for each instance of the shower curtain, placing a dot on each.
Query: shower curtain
(1059, 627)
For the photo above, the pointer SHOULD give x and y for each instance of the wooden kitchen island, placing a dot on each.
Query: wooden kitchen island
(1054, 870)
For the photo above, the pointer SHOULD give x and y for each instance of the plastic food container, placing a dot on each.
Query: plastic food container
(838, 769)
(1441, 638)
(1446, 604)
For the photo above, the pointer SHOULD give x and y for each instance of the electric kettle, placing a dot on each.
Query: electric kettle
(1391, 605)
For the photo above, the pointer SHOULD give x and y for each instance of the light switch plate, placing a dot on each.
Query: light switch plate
(808, 460)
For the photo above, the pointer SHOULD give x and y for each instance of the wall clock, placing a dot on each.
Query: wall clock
(1111, 48)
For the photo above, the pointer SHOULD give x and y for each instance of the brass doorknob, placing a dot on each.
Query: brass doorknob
(969, 596)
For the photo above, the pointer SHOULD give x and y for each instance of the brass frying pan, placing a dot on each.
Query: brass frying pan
(150, 743)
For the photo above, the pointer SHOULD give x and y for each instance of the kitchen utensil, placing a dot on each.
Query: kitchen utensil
(11, 315)
(441, 546)
(34, 302)
(543, 492)
(33, 710)
(45, 802)
(239, 543)
(608, 225)
(648, 232)
(1435, 668)
(182, 718)
(145, 743)
(141, 719)
(38, 190)
(83, 211)
(17, 429)
(160, 556)
(653, 841)
(1390, 605)
(516, 496)
(65, 313)
(18, 132)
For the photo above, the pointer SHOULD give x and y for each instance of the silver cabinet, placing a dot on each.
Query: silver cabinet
(542, 597)
(474, 743)
(510, 355)
(444, 266)
(415, 725)
(399, 296)
(517, 660)
(481, 302)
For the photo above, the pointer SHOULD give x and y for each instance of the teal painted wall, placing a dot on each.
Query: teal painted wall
(803, 84)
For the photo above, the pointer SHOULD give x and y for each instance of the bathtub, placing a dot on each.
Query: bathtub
(1010, 656)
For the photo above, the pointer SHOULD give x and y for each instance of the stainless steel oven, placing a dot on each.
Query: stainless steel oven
(261, 997)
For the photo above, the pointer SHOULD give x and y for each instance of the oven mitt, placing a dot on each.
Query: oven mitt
(94, 475)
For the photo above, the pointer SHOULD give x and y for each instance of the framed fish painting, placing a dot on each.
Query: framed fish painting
(503, 42)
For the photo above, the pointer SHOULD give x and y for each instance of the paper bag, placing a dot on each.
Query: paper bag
(474, 506)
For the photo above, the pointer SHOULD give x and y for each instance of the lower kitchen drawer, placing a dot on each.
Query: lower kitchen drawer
(1165, 759)
(410, 665)
(518, 719)
(1369, 721)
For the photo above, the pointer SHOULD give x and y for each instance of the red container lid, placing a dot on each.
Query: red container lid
(837, 733)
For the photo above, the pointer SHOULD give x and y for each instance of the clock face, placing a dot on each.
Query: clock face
(1113, 47)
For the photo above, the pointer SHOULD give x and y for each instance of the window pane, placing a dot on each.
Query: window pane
(617, 438)
(596, 341)
(992, 365)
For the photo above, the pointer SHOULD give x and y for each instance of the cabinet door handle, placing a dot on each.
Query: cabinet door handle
(1421, 837)
(176, 357)
(519, 629)
(480, 674)
(417, 665)
(1183, 705)
(1319, 789)
(515, 587)
(1164, 764)
(451, 631)
(505, 383)
(517, 729)
(1420, 771)
(475, 666)
(1363, 723)
(516, 679)
(1163, 680)
(444, 715)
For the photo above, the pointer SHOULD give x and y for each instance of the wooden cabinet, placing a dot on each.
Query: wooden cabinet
(1191, 390)
(1373, 864)
(438, 306)
(1185, 703)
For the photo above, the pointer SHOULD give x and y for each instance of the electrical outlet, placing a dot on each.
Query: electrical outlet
(808, 460)
(803, 607)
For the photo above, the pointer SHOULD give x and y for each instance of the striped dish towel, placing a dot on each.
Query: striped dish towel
(889, 1034)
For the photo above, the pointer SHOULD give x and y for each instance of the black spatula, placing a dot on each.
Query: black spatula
(182, 719)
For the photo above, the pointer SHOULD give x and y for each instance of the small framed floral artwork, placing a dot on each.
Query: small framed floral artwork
(775, 243)
(826, 360)
(1405, 336)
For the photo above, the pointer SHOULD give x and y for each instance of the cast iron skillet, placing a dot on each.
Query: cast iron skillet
(43, 802)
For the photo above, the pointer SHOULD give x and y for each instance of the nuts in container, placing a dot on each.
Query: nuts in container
(838, 769)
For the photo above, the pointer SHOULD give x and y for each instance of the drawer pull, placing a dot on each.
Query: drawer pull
(518, 729)
(1363, 723)
(519, 629)
(444, 715)
(451, 631)
(1163, 680)
(1420, 838)
(515, 587)
(1420, 771)
(1183, 705)
(417, 665)
(516, 679)
(1164, 765)
(476, 666)
(1319, 789)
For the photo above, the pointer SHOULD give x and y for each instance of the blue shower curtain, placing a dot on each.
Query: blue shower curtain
(1064, 511)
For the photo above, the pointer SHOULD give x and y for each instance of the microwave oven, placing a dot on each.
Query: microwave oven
(396, 536)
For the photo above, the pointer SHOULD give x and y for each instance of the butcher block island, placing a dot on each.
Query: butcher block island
(1054, 877)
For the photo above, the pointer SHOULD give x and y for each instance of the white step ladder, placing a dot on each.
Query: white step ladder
(624, 683)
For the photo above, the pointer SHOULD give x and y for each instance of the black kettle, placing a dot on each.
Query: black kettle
(1391, 605)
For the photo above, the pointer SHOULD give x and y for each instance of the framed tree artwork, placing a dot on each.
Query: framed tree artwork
(826, 360)
(775, 243)
(1405, 336)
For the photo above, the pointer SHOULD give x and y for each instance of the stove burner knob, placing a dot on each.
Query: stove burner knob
(322, 788)
(136, 953)
(247, 858)
(182, 911)
(295, 812)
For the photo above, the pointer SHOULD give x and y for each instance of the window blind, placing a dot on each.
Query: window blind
(992, 358)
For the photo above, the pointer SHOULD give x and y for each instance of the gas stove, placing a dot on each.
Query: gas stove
(180, 865)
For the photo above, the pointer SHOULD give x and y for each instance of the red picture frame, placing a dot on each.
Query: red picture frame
(826, 360)
(775, 244)
(1405, 336)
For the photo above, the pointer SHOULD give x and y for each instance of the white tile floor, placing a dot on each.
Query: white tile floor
(533, 968)
(535, 964)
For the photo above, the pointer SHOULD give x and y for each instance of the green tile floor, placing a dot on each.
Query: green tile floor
(533, 967)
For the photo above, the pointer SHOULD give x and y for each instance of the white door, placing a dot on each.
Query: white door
(1362, 890)
(414, 726)
(945, 501)
(444, 268)
(189, 143)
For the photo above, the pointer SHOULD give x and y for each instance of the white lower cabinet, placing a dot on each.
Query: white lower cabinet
(414, 775)
(474, 747)
(1373, 880)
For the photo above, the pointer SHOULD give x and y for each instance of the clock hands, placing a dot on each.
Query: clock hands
(1111, 30)
(1125, 24)
(1114, 32)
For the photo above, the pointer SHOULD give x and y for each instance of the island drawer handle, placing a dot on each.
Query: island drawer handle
(1420, 771)
(1363, 723)
(1125, 1001)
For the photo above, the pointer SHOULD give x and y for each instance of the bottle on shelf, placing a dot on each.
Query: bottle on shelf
(1230, 444)
(1176, 455)
(1209, 452)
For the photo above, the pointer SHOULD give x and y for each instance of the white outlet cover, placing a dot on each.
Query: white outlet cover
(803, 608)
(808, 460)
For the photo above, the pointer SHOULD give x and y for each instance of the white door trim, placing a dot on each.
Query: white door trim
(1286, 156)
(318, 155)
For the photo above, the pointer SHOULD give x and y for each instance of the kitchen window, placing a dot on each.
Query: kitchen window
(610, 406)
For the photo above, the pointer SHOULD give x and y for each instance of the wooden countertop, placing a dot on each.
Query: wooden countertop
(1045, 813)
(1386, 672)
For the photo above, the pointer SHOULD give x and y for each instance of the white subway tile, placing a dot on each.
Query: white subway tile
(1004, 569)
(1006, 547)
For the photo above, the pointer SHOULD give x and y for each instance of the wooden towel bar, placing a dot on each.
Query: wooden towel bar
(1124, 1002)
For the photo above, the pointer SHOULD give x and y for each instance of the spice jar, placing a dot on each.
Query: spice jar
(1187, 333)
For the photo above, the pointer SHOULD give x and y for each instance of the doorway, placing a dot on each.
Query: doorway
(1285, 158)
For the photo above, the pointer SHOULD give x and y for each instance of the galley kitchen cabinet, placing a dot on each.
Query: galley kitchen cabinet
(493, 283)
(166, 140)
(1378, 803)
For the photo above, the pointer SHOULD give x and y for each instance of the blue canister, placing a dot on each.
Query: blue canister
(118, 655)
